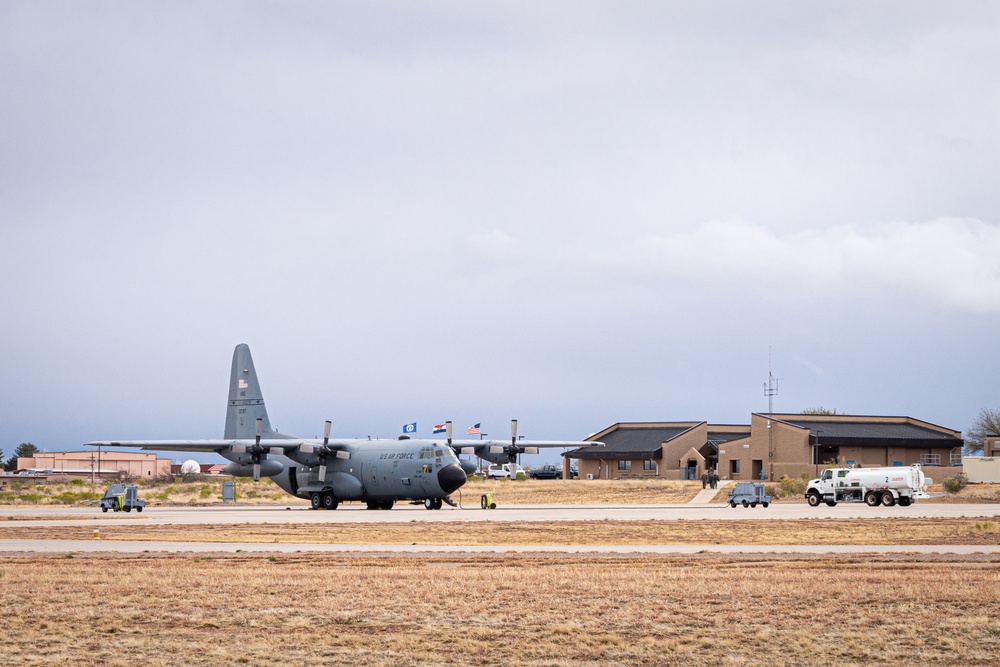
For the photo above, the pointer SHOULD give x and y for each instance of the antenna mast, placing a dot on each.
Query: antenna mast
(771, 386)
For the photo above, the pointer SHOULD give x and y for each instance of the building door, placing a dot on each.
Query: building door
(757, 468)
(692, 469)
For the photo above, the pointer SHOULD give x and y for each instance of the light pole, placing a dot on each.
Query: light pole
(770, 452)
(816, 451)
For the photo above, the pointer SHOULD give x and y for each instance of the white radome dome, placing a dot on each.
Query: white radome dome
(190, 467)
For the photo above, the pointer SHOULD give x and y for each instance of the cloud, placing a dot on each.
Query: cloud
(948, 261)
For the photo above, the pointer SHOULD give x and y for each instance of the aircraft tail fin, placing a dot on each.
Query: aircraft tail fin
(246, 403)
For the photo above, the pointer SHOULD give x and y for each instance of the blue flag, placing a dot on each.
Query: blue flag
(410, 428)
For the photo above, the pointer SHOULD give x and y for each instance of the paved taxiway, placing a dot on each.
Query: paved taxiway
(88, 519)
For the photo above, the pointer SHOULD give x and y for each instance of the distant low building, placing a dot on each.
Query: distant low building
(96, 464)
(203, 468)
(771, 446)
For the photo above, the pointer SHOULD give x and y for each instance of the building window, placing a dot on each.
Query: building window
(734, 466)
(649, 464)
(624, 465)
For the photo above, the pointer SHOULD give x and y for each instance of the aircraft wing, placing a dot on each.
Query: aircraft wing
(203, 445)
(526, 443)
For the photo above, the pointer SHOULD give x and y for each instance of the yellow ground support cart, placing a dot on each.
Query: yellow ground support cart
(121, 497)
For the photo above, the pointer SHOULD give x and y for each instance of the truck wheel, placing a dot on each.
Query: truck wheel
(732, 504)
(753, 504)
(315, 501)
(904, 501)
(764, 504)
(746, 504)
(139, 508)
(482, 501)
(128, 509)
(872, 499)
(888, 500)
(104, 509)
(831, 503)
(814, 499)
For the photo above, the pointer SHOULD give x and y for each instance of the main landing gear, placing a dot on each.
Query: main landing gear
(326, 500)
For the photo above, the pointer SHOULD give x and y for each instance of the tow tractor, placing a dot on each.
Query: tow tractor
(121, 497)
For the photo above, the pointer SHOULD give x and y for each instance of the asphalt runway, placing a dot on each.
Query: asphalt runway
(88, 519)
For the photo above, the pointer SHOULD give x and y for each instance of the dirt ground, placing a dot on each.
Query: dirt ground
(547, 610)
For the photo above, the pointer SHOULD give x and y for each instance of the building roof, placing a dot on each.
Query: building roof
(895, 433)
(628, 441)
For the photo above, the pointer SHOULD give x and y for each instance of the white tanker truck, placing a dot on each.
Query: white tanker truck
(873, 486)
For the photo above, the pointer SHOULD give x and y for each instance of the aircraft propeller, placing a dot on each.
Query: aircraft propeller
(316, 455)
(257, 453)
(323, 452)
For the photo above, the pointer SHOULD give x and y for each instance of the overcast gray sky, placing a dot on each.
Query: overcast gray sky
(572, 213)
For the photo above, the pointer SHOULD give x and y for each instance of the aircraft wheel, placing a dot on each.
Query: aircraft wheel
(315, 501)
(330, 501)
(428, 503)
(888, 500)
(387, 504)
(438, 502)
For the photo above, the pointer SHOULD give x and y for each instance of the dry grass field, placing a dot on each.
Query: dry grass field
(525, 492)
(265, 492)
(545, 610)
(896, 531)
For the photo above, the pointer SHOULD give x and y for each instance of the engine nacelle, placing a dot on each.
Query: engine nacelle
(311, 455)
(268, 468)
(345, 486)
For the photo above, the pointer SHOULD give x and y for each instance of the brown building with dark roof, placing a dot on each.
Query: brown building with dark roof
(769, 447)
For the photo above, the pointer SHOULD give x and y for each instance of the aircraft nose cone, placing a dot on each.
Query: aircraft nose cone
(451, 477)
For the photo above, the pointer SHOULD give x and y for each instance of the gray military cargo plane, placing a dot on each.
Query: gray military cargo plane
(327, 472)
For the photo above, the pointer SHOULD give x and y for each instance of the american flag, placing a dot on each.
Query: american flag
(473, 430)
